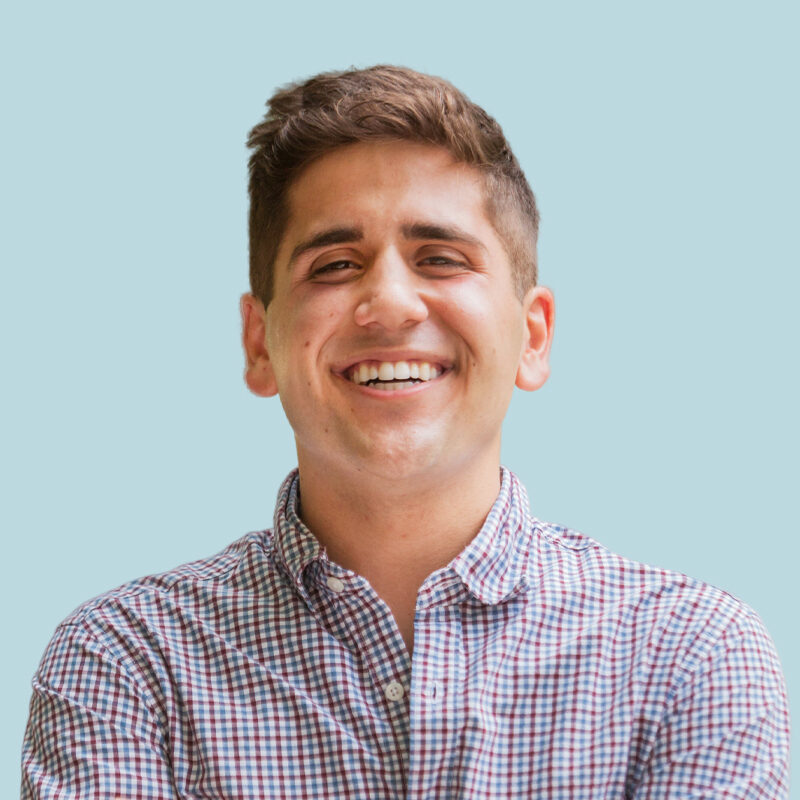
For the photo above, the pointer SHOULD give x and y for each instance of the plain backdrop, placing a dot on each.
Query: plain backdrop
(661, 140)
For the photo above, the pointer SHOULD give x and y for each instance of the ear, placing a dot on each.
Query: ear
(534, 362)
(258, 373)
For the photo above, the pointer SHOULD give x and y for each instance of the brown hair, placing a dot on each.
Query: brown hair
(308, 119)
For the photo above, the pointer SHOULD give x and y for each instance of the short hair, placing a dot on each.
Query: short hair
(306, 120)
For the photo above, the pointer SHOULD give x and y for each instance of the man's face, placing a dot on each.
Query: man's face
(394, 336)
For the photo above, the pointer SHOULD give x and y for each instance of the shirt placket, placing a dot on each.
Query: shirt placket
(436, 707)
(365, 623)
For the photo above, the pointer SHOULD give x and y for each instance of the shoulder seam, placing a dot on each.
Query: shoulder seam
(166, 582)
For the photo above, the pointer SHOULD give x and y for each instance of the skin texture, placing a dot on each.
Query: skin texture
(389, 255)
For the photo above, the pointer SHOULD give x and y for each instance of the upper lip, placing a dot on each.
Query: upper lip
(393, 356)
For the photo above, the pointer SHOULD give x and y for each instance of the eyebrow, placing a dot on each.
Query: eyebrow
(411, 231)
(325, 238)
(443, 233)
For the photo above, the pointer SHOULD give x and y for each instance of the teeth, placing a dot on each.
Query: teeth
(385, 371)
(394, 375)
(402, 372)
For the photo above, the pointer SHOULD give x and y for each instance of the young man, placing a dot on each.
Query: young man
(406, 629)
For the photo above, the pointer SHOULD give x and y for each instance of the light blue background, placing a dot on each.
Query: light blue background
(662, 142)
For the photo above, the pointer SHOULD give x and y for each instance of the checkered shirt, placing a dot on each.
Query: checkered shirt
(544, 666)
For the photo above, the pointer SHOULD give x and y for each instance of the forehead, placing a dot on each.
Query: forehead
(385, 185)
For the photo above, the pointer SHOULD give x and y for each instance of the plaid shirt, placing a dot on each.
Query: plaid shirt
(544, 666)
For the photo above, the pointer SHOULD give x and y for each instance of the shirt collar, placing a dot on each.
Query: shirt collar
(492, 567)
(295, 546)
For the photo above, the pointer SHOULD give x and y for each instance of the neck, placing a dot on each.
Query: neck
(395, 532)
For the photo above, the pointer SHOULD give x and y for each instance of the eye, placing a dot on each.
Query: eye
(443, 261)
(442, 264)
(332, 271)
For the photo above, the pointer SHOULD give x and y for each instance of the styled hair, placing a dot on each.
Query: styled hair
(308, 119)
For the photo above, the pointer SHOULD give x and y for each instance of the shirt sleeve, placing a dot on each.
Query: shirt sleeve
(93, 730)
(726, 731)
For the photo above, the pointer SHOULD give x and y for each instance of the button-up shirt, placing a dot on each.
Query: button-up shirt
(543, 666)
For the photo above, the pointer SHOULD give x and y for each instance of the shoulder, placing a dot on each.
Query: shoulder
(244, 567)
(143, 628)
(675, 616)
(572, 560)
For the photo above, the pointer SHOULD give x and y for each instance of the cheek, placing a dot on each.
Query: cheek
(304, 323)
(302, 334)
(492, 328)
(320, 306)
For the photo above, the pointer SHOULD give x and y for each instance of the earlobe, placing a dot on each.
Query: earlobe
(258, 372)
(534, 363)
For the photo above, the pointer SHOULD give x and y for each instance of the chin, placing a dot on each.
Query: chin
(398, 457)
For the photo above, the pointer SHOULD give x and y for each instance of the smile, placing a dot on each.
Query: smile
(391, 376)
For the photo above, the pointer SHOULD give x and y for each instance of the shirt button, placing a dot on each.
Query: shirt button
(334, 584)
(394, 690)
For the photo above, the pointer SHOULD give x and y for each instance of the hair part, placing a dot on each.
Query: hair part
(308, 119)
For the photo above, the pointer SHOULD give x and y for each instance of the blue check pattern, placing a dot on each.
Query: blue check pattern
(544, 666)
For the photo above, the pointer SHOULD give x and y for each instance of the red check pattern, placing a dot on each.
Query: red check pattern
(544, 666)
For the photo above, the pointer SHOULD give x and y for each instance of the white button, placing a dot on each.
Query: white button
(394, 691)
(334, 584)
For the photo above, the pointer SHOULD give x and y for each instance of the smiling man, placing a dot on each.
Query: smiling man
(394, 335)
(406, 628)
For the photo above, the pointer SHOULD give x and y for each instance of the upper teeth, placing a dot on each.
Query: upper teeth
(385, 371)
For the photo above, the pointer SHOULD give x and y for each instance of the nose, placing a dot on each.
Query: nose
(391, 295)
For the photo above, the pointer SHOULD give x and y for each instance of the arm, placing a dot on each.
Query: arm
(93, 730)
(726, 731)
